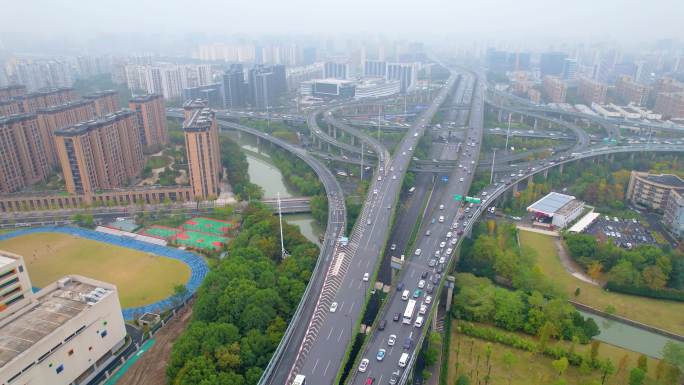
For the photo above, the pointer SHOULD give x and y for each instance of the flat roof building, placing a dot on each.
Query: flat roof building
(555, 89)
(591, 91)
(104, 102)
(151, 118)
(328, 88)
(652, 190)
(670, 104)
(51, 119)
(47, 98)
(202, 148)
(629, 91)
(376, 88)
(673, 216)
(23, 154)
(100, 154)
(64, 334)
(556, 208)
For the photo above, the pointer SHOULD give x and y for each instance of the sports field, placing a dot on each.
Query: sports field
(668, 315)
(208, 225)
(141, 278)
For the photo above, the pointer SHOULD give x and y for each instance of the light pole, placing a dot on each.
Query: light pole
(491, 177)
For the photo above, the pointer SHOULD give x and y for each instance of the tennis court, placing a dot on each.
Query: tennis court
(199, 240)
(208, 225)
(161, 232)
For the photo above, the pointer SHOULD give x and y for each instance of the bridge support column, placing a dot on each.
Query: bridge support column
(258, 142)
(500, 118)
(515, 188)
(352, 140)
(536, 123)
(335, 132)
(560, 168)
(450, 290)
(530, 179)
(546, 173)
(631, 156)
(522, 118)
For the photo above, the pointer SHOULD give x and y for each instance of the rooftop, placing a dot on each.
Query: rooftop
(48, 312)
(145, 98)
(81, 128)
(551, 203)
(100, 94)
(666, 179)
(65, 106)
(201, 120)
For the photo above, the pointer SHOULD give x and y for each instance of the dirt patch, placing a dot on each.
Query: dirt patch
(150, 369)
(571, 266)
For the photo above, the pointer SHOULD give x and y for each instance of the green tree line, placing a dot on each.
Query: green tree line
(243, 306)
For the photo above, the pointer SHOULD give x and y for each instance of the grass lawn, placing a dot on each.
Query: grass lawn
(158, 161)
(668, 315)
(529, 368)
(141, 278)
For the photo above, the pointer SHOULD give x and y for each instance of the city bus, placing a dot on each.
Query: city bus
(408, 313)
(299, 380)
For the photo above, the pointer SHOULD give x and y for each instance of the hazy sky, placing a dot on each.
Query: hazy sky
(621, 20)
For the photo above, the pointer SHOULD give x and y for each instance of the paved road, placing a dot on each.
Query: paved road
(329, 333)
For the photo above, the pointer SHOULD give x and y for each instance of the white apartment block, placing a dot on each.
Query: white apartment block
(64, 334)
(168, 80)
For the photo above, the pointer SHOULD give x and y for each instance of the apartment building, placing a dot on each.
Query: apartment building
(12, 91)
(652, 190)
(151, 118)
(23, 155)
(104, 102)
(51, 119)
(100, 154)
(591, 91)
(629, 91)
(202, 147)
(555, 89)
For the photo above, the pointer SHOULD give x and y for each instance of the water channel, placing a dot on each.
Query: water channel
(265, 174)
(628, 337)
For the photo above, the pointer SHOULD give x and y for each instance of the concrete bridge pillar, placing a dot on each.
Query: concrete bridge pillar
(560, 168)
(515, 188)
(536, 123)
(529, 179)
(522, 118)
(631, 156)
(335, 132)
(258, 142)
(328, 147)
(500, 116)
(450, 290)
(352, 140)
(546, 173)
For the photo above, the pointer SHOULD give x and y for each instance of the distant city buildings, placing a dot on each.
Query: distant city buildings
(670, 104)
(212, 93)
(234, 87)
(296, 75)
(629, 91)
(569, 69)
(328, 88)
(555, 89)
(167, 79)
(376, 88)
(375, 69)
(334, 70)
(266, 85)
(552, 63)
(503, 61)
(590, 91)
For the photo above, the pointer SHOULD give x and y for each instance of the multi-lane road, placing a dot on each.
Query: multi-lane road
(329, 332)
(422, 263)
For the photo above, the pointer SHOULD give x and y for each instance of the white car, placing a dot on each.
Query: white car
(333, 307)
(441, 219)
(442, 244)
(460, 179)
(392, 340)
(365, 277)
(417, 252)
(454, 241)
(428, 299)
(441, 207)
(394, 177)
(415, 135)
(421, 284)
(363, 365)
(442, 259)
(423, 309)
(449, 250)
(379, 178)
(449, 234)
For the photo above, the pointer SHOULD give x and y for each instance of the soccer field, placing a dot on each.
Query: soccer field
(141, 278)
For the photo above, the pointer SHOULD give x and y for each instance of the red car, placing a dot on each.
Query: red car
(370, 380)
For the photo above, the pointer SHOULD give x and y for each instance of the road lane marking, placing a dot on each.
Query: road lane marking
(326, 368)
(340, 336)
(329, 334)
(314, 368)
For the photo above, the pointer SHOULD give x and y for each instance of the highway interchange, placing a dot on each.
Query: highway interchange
(319, 335)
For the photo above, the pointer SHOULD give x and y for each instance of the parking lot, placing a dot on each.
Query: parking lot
(626, 233)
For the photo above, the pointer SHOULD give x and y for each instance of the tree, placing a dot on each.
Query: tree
(673, 355)
(463, 380)
(637, 376)
(594, 270)
(642, 363)
(560, 365)
(654, 277)
(607, 368)
(595, 345)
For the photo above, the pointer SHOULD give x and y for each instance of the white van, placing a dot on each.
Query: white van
(405, 295)
(419, 322)
(403, 360)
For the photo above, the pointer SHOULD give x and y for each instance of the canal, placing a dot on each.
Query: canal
(628, 337)
(263, 173)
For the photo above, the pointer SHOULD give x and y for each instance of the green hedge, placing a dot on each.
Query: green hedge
(672, 295)
(521, 343)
